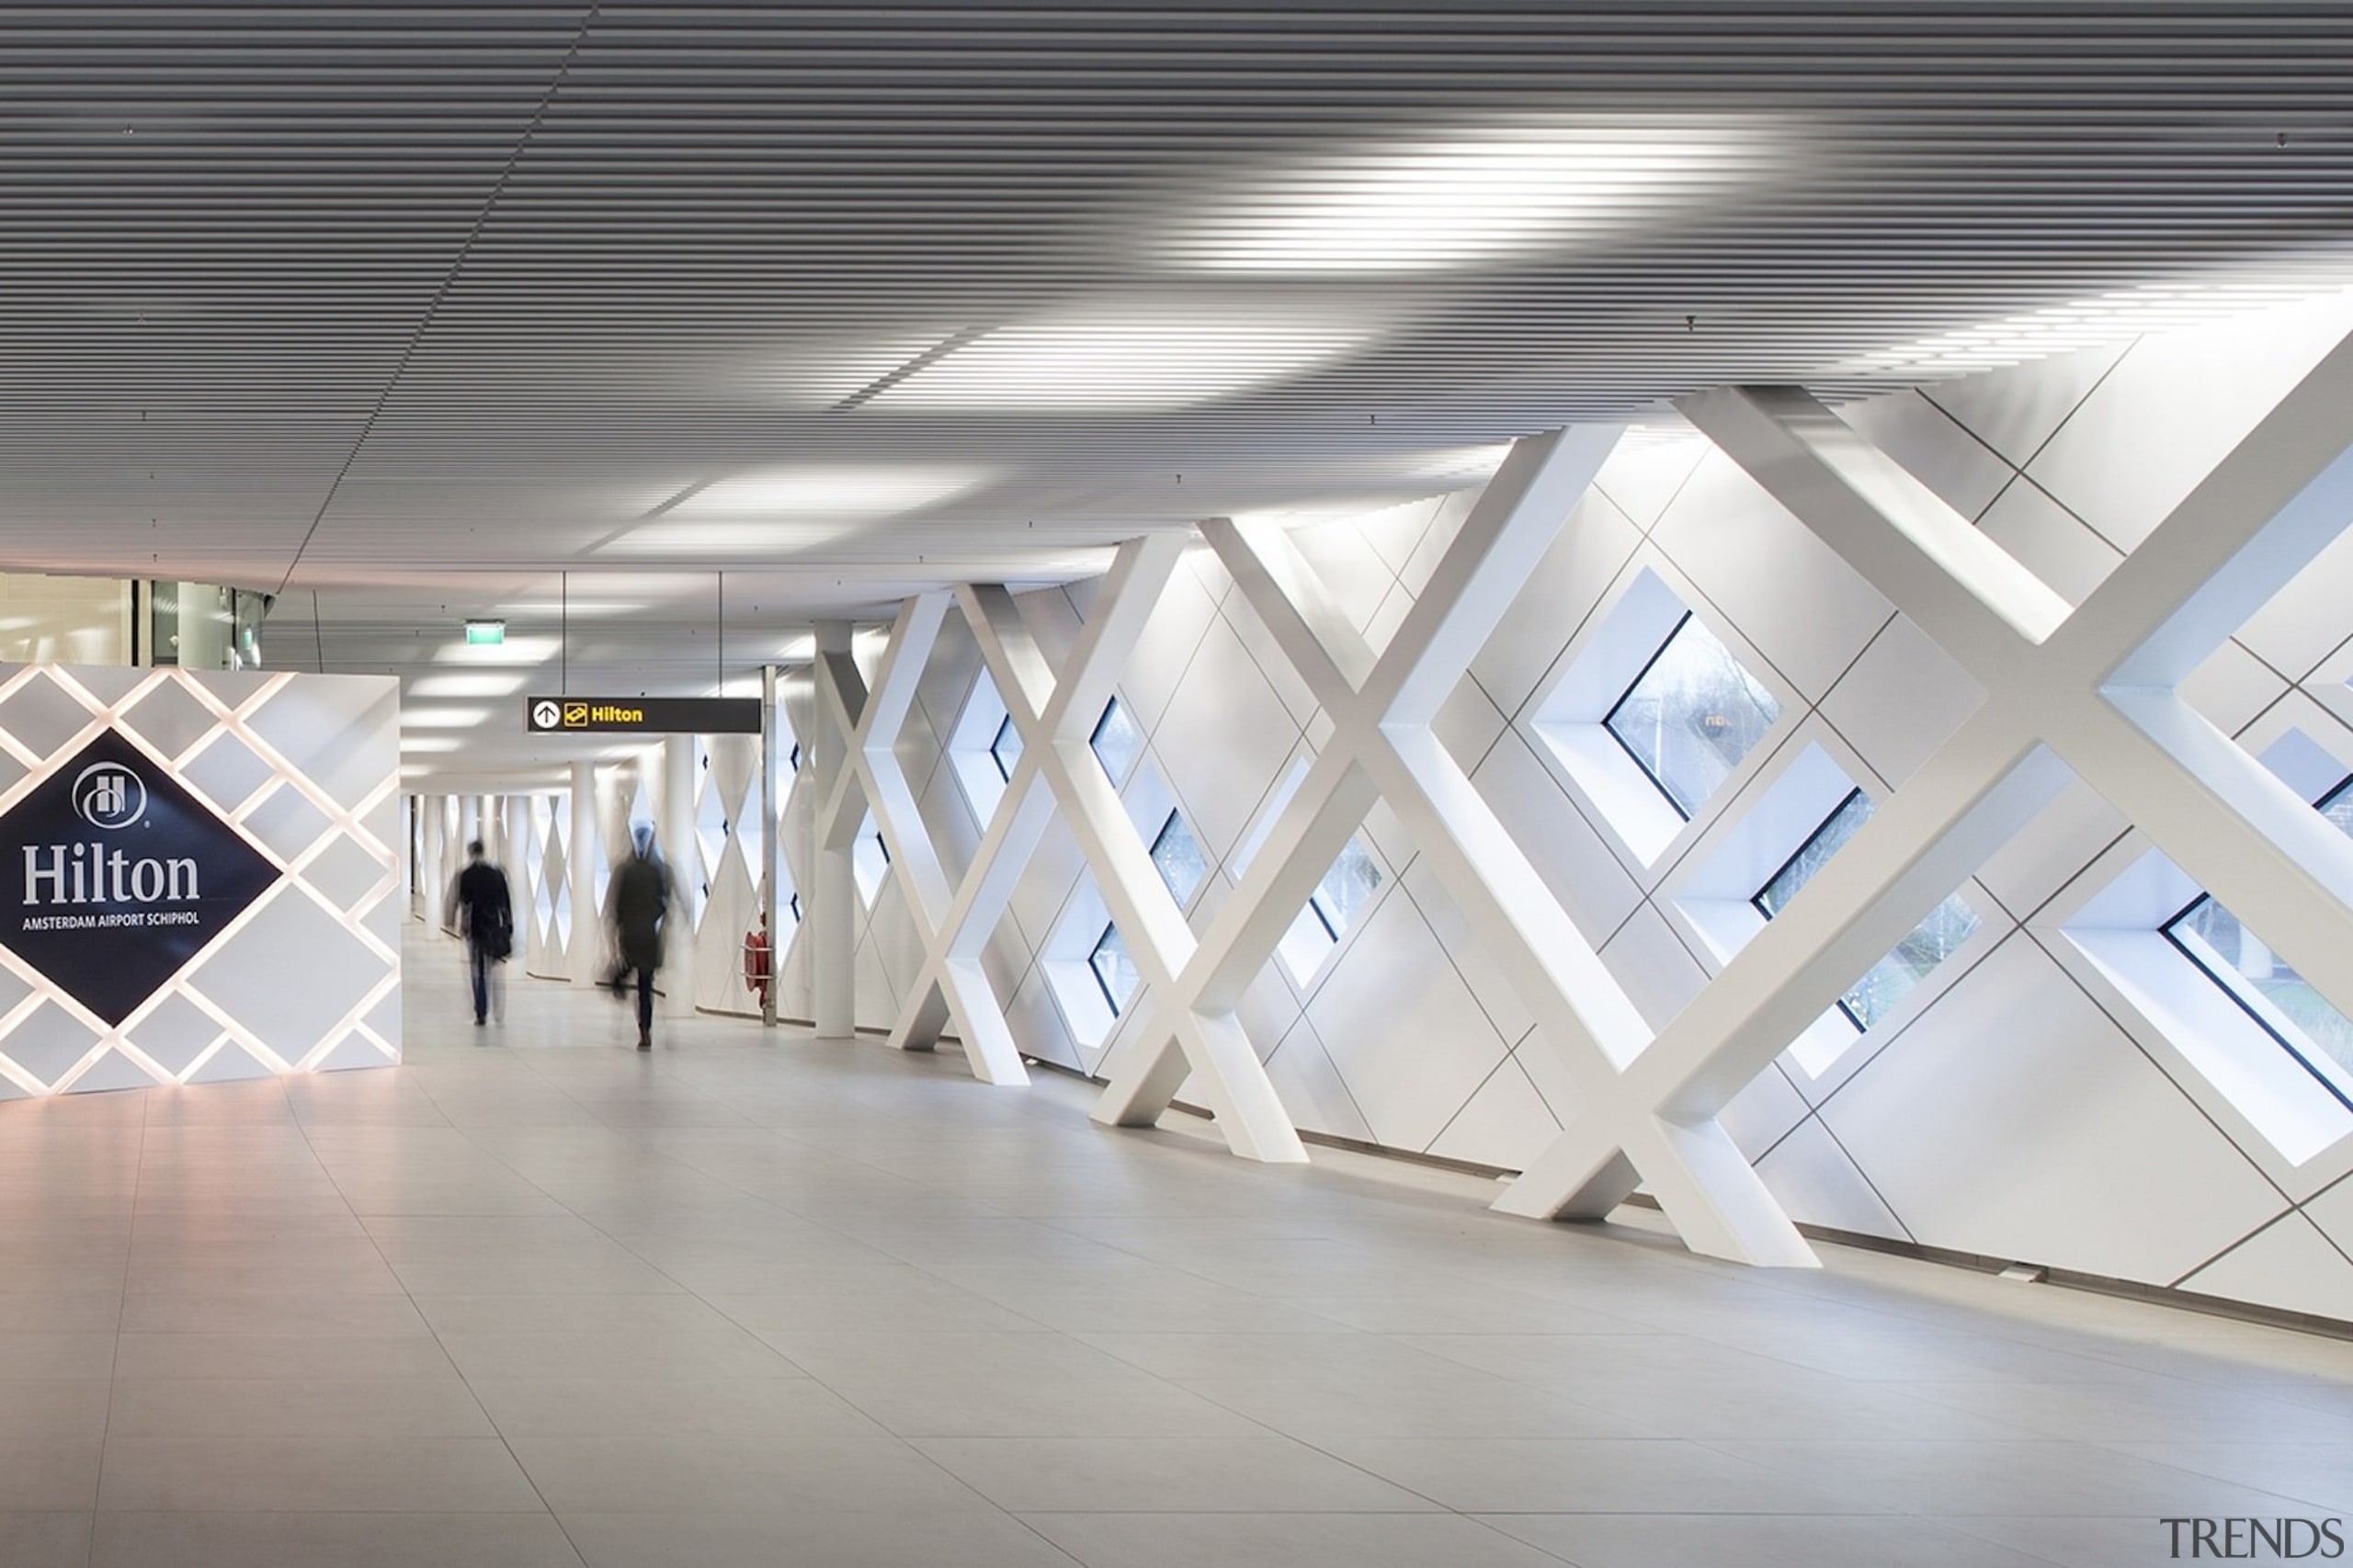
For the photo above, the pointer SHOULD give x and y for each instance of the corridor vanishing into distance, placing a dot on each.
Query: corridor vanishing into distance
(533, 1299)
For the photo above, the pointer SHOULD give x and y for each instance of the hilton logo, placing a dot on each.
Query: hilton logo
(113, 875)
(109, 795)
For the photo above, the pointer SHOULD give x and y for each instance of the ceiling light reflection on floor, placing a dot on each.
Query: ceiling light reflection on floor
(1474, 196)
(1125, 358)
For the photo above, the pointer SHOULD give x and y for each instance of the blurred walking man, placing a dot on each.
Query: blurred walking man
(641, 910)
(478, 907)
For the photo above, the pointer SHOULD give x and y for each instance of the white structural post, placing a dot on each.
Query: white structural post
(830, 909)
(771, 853)
(518, 857)
(683, 850)
(586, 944)
(436, 819)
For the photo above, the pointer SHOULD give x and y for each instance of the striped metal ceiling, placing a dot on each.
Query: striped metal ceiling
(413, 305)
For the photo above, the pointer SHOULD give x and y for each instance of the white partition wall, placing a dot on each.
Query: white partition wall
(203, 876)
(2093, 1043)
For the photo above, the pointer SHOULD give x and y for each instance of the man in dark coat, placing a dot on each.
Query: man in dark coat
(480, 910)
(640, 909)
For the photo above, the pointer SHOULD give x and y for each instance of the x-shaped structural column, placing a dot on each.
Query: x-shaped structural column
(2089, 692)
(1054, 718)
(874, 780)
(1382, 748)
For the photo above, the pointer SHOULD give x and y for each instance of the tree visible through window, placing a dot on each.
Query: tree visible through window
(1889, 980)
(1115, 972)
(2264, 984)
(1691, 715)
(1117, 740)
(1178, 856)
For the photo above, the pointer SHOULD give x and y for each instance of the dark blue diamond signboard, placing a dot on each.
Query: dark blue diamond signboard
(113, 876)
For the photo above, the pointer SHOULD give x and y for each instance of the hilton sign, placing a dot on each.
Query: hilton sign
(112, 877)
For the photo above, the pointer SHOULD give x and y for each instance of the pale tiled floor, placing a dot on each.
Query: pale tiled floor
(537, 1300)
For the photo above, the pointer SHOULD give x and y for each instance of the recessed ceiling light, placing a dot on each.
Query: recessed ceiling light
(1151, 355)
(1471, 197)
(828, 492)
(466, 685)
(430, 744)
(443, 717)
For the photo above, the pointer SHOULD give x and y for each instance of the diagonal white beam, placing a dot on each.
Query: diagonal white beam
(2089, 692)
(1052, 715)
(1383, 747)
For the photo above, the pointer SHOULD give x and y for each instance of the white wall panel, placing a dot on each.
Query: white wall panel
(1352, 571)
(1045, 885)
(1806, 609)
(1223, 740)
(2171, 409)
(1900, 701)
(1658, 971)
(1593, 548)
(1444, 523)
(1937, 452)
(2289, 1265)
(2232, 687)
(1495, 996)
(2050, 541)
(2065, 837)
(1165, 650)
(2332, 1210)
(1311, 1087)
(1244, 624)
(1506, 1122)
(1643, 476)
(1402, 1028)
(1762, 1114)
(2308, 620)
(1818, 1185)
(1574, 860)
(2015, 411)
(2015, 1120)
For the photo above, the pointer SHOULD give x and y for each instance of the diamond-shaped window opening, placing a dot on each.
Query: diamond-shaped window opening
(2215, 992)
(1117, 740)
(1006, 749)
(1339, 901)
(1890, 979)
(982, 746)
(1691, 716)
(1091, 984)
(1116, 974)
(1752, 868)
(1652, 714)
(870, 861)
(1177, 856)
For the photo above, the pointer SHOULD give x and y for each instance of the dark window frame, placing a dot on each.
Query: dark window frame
(1095, 965)
(2227, 986)
(1756, 899)
(1610, 720)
